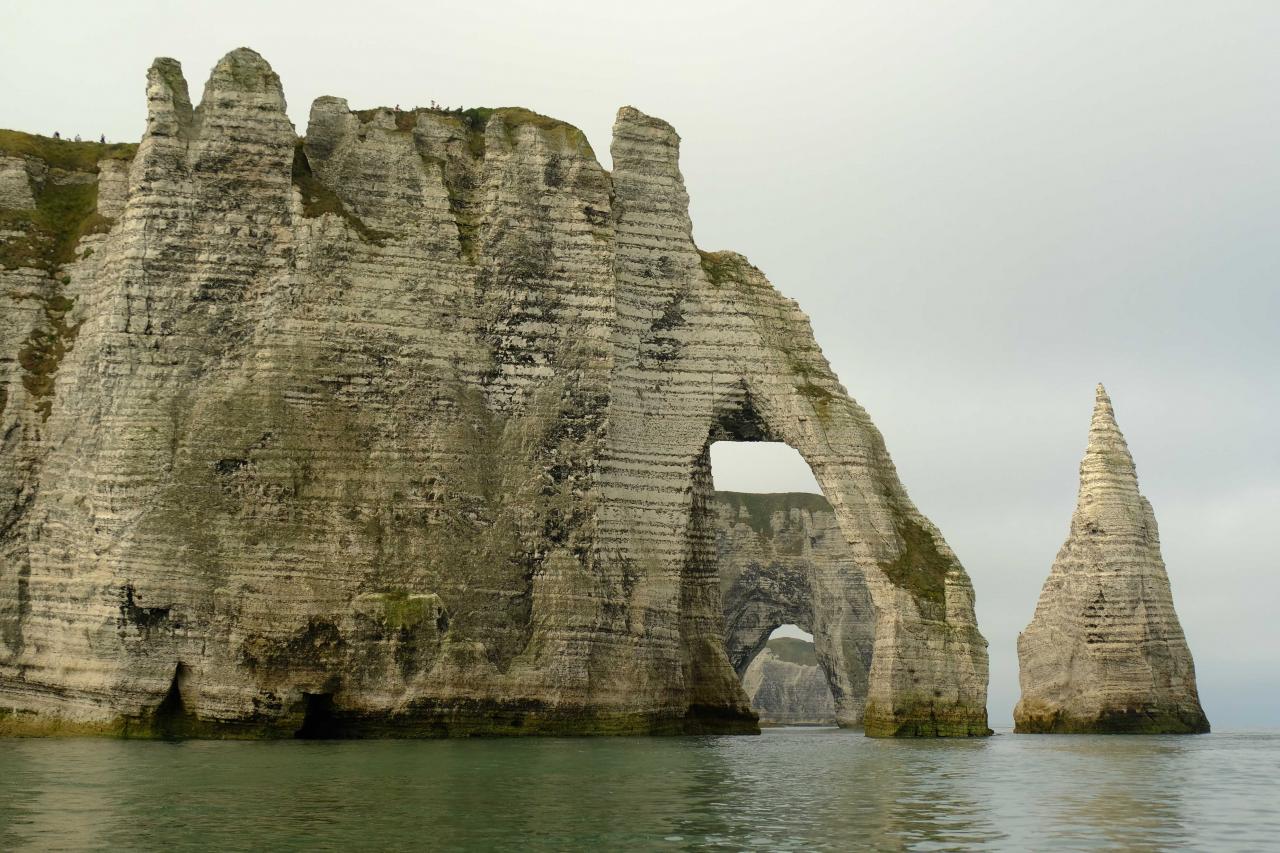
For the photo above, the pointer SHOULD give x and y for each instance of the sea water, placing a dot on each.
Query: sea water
(788, 789)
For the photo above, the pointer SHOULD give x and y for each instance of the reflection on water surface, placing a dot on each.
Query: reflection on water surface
(785, 790)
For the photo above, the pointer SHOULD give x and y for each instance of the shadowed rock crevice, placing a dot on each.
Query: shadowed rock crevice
(171, 718)
(320, 719)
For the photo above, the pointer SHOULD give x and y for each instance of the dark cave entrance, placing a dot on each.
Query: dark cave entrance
(319, 718)
(171, 719)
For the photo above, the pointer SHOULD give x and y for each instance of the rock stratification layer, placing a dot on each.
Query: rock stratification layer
(402, 428)
(1105, 652)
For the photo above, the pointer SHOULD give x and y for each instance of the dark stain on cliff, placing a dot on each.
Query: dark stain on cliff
(143, 619)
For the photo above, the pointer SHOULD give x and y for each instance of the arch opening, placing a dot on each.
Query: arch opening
(785, 568)
(787, 683)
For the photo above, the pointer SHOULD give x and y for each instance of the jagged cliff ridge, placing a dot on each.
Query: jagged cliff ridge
(1105, 652)
(787, 687)
(784, 561)
(402, 428)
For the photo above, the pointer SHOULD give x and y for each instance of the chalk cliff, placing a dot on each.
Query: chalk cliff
(1105, 651)
(787, 687)
(402, 428)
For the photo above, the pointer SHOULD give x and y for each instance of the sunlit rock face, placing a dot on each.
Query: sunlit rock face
(1105, 652)
(787, 687)
(402, 428)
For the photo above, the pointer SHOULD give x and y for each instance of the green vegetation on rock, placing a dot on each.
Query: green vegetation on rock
(400, 610)
(317, 199)
(1126, 722)
(926, 718)
(919, 568)
(42, 352)
(722, 267)
(66, 204)
(793, 650)
(760, 507)
(64, 153)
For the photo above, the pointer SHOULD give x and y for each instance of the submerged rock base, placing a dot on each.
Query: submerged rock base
(317, 718)
(1127, 722)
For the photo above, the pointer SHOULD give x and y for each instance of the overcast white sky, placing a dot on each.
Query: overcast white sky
(985, 208)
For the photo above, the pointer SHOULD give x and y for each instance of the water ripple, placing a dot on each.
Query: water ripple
(816, 789)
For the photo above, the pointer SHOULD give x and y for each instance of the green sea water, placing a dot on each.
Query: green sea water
(788, 789)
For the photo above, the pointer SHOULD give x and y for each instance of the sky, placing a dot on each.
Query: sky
(985, 208)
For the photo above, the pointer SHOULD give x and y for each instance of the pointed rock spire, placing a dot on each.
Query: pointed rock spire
(1108, 497)
(1105, 651)
(646, 169)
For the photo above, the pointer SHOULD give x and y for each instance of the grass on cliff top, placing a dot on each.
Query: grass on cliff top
(64, 153)
(64, 212)
(761, 506)
(475, 119)
(794, 650)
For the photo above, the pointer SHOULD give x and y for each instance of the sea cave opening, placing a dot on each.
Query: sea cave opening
(319, 720)
(172, 719)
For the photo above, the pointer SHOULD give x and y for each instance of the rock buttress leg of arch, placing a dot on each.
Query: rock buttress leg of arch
(929, 671)
(703, 334)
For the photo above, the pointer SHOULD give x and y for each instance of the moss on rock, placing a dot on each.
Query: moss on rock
(919, 568)
(318, 199)
(66, 203)
(42, 352)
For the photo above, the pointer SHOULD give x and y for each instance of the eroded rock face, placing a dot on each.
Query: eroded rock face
(784, 561)
(1105, 652)
(402, 428)
(787, 687)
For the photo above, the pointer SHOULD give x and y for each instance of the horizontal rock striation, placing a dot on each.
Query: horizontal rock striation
(1105, 652)
(787, 687)
(402, 428)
